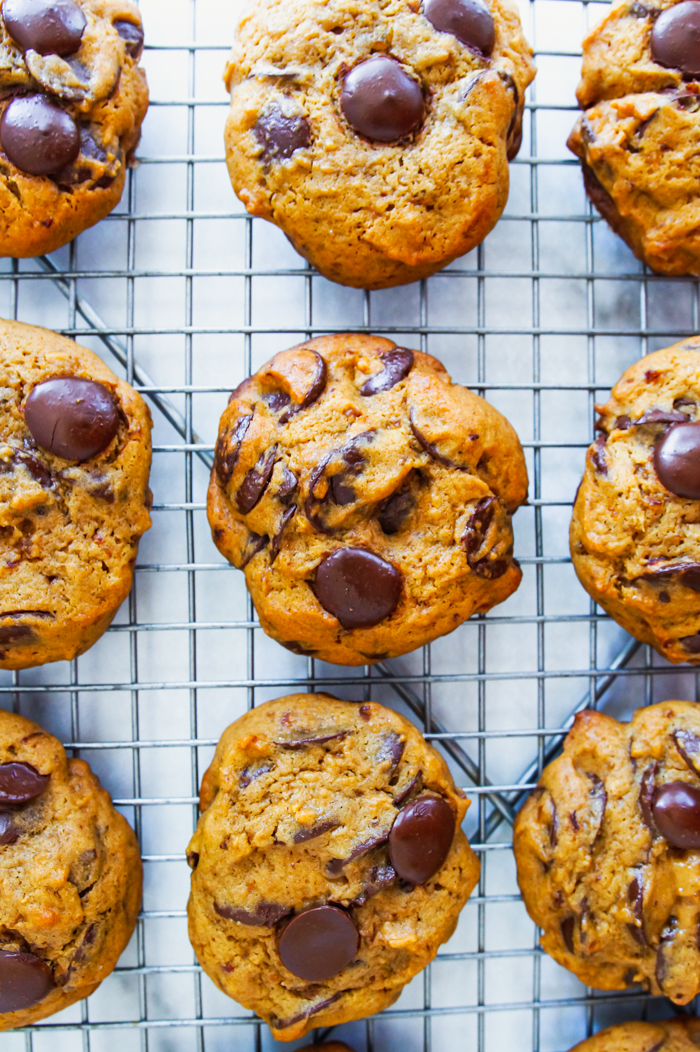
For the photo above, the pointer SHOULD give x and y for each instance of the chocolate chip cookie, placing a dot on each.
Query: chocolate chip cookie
(635, 542)
(73, 99)
(328, 863)
(608, 851)
(367, 498)
(674, 1035)
(75, 453)
(638, 138)
(331, 1046)
(70, 877)
(377, 136)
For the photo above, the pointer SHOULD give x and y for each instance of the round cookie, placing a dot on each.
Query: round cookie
(608, 851)
(638, 138)
(377, 136)
(328, 863)
(635, 530)
(70, 877)
(73, 100)
(367, 498)
(75, 452)
(672, 1035)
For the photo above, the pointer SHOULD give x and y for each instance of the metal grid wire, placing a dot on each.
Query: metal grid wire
(184, 294)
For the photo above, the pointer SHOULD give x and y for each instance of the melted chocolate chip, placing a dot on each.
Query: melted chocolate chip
(133, 35)
(38, 136)
(409, 788)
(393, 512)
(567, 928)
(688, 745)
(599, 800)
(71, 418)
(314, 1009)
(339, 491)
(256, 544)
(379, 878)
(50, 27)
(468, 20)
(598, 455)
(477, 526)
(193, 859)
(287, 517)
(228, 448)
(357, 587)
(662, 416)
(380, 101)
(319, 739)
(335, 866)
(318, 384)
(20, 783)
(280, 135)
(16, 634)
(297, 648)
(676, 810)
(256, 482)
(24, 980)
(687, 574)
(318, 943)
(675, 38)
(421, 838)
(664, 951)
(691, 643)
(396, 366)
(288, 485)
(391, 750)
(277, 400)
(430, 449)
(314, 831)
(9, 833)
(635, 897)
(249, 774)
(646, 795)
(265, 914)
(677, 455)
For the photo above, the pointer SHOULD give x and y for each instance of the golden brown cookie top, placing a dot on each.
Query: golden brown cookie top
(674, 1035)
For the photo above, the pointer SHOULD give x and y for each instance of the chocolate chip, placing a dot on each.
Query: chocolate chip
(265, 914)
(318, 384)
(318, 943)
(36, 469)
(598, 455)
(276, 400)
(687, 574)
(256, 482)
(357, 587)
(430, 449)
(675, 38)
(665, 950)
(250, 774)
(688, 745)
(409, 788)
(622, 423)
(676, 810)
(394, 510)
(365, 712)
(228, 448)
(288, 485)
(17, 633)
(662, 416)
(335, 866)
(38, 136)
(380, 101)
(193, 859)
(280, 135)
(599, 799)
(287, 517)
(314, 1009)
(297, 648)
(646, 795)
(71, 417)
(50, 27)
(396, 366)
(567, 928)
(338, 490)
(9, 833)
(421, 838)
(677, 454)
(635, 897)
(256, 543)
(133, 35)
(391, 750)
(314, 831)
(319, 739)
(691, 643)
(379, 878)
(20, 783)
(24, 980)
(477, 526)
(468, 20)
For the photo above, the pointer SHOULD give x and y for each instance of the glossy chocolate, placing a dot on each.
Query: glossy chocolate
(24, 980)
(51, 27)
(676, 810)
(133, 36)
(38, 136)
(318, 943)
(280, 135)
(357, 587)
(677, 458)
(73, 418)
(20, 783)
(265, 914)
(421, 838)
(468, 20)
(396, 365)
(380, 101)
(675, 38)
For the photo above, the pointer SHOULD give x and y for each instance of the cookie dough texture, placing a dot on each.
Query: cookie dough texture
(617, 903)
(674, 1035)
(423, 473)
(69, 531)
(631, 539)
(104, 90)
(365, 213)
(70, 883)
(275, 815)
(638, 140)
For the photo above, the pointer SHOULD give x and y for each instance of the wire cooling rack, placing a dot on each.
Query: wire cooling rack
(184, 294)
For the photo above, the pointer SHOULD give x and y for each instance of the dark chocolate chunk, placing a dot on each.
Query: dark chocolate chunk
(9, 833)
(663, 952)
(71, 417)
(318, 384)
(339, 489)
(688, 745)
(397, 365)
(20, 783)
(318, 943)
(677, 453)
(335, 866)
(468, 20)
(358, 587)
(280, 135)
(598, 455)
(265, 914)
(38, 136)
(687, 574)
(378, 878)
(421, 838)
(228, 448)
(635, 897)
(662, 416)
(287, 517)
(50, 27)
(314, 831)
(133, 35)
(256, 481)
(430, 449)
(313, 1009)
(249, 774)
(365, 712)
(408, 789)
(599, 799)
(646, 795)
(297, 648)
(16, 633)
(567, 928)
(391, 750)
(676, 811)
(477, 526)
(288, 485)
(256, 544)
(319, 739)
(193, 859)
(277, 400)
(622, 423)
(691, 643)
(381, 101)
(24, 980)
(394, 510)
(675, 38)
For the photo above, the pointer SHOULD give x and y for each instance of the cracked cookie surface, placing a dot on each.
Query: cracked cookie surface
(673, 1035)
(74, 494)
(367, 497)
(635, 542)
(70, 877)
(377, 195)
(305, 810)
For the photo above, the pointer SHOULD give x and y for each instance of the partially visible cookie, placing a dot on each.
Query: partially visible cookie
(75, 454)
(367, 497)
(328, 863)
(635, 530)
(672, 1035)
(70, 877)
(332, 1046)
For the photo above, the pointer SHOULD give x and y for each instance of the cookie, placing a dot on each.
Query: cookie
(331, 1046)
(638, 137)
(377, 136)
(608, 851)
(367, 497)
(673, 1035)
(73, 99)
(70, 877)
(328, 863)
(75, 452)
(635, 531)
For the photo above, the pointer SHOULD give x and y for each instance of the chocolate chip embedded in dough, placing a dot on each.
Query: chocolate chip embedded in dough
(396, 366)
(256, 482)
(675, 38)
(279, 135)
(318, 739)
(20, 783)
(421, 838)
(318, 943)
(287, 486)
(646, 795)
(687, 574)
(381, 101)
(256, 543)
(193, 859)
(228, 448)
(14, 634)
(431, 449)
(313, 832)
(691, 643)
(391, 750)
(25, 980)
(677, 457)
(676, 810)
(662, 416)
(49, 27)
(468, 20)
(597, 455)
(688, 745)
(265, 914)
(357, 587)
(276, 544)
(72, 418)
(394, 510)
(335, 866)
(567, 928)
(9, 833)
(38, 136)
(133, 35)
